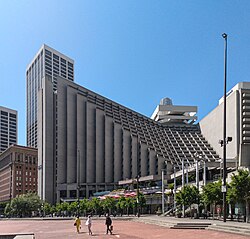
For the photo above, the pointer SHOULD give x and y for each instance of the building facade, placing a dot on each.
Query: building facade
(238, 125)
(46, 62)
(18, 172)
(8, 128)
(90, 143)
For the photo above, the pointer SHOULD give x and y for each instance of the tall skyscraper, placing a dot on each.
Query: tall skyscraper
(46, 62)
(8, 128)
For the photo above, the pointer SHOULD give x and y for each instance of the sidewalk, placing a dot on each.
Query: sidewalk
(188, 223)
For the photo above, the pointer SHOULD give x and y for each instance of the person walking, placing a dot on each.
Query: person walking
(77, 224)
(108, 223)
(88, 223)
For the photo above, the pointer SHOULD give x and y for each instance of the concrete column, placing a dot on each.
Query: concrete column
(204, 174)
(174, 187)
(71, 136)
(126, 154)
(100, 146)
(117, 152)
(197, 173)
(152, 162)
(81, 136)
(144, 160)
(134, 144)
(90, 142)
(109, 150)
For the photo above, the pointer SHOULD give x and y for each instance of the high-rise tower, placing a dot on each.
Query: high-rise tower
(46, 62)
(8, 128)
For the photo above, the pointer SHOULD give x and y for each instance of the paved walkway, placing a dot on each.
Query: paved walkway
(181, 220)
(64, 229)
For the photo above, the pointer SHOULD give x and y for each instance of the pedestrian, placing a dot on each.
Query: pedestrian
(77, 224)
(88, 223)
(108, 223)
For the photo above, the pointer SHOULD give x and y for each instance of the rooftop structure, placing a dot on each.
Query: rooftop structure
(167, 113)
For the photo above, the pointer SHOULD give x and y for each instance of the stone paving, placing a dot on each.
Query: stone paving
(54, 229)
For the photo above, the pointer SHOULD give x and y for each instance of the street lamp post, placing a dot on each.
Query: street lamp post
(224, 189)
(204, 173)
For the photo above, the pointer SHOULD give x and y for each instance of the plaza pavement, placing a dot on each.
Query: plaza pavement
(126, 227)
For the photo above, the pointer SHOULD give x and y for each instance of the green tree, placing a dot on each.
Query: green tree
(240, 189)
(65, 208)
(95, 205)
(7, 210)
(211, 194)
(121, 205)
(24, 205)
(188, 196)
(59, 209)
(108, 205)
(47, 208)
(141, 201)
(130, 203)
(72, 209)
(84, 206)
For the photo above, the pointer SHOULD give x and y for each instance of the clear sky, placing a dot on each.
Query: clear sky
(134, 52)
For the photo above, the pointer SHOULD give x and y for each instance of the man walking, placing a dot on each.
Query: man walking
(108, 223)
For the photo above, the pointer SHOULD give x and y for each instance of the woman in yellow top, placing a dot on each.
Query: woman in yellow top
(77, 224)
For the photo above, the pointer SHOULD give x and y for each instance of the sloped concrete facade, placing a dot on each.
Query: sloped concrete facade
(89, 142)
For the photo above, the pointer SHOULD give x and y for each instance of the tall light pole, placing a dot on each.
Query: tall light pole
(224, 189)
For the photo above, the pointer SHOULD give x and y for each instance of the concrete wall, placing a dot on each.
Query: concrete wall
(212, 126)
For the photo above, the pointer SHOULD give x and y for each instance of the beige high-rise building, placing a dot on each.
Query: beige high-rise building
(90, 143)
(49, 62)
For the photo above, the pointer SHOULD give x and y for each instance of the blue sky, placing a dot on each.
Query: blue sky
(134, 52)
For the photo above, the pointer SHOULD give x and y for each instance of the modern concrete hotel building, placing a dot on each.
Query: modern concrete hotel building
(46, 62)
(238, 125)
(89, 143)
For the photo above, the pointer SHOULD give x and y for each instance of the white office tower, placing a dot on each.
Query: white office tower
(46, 62)
(8, 128)
(167, 113)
